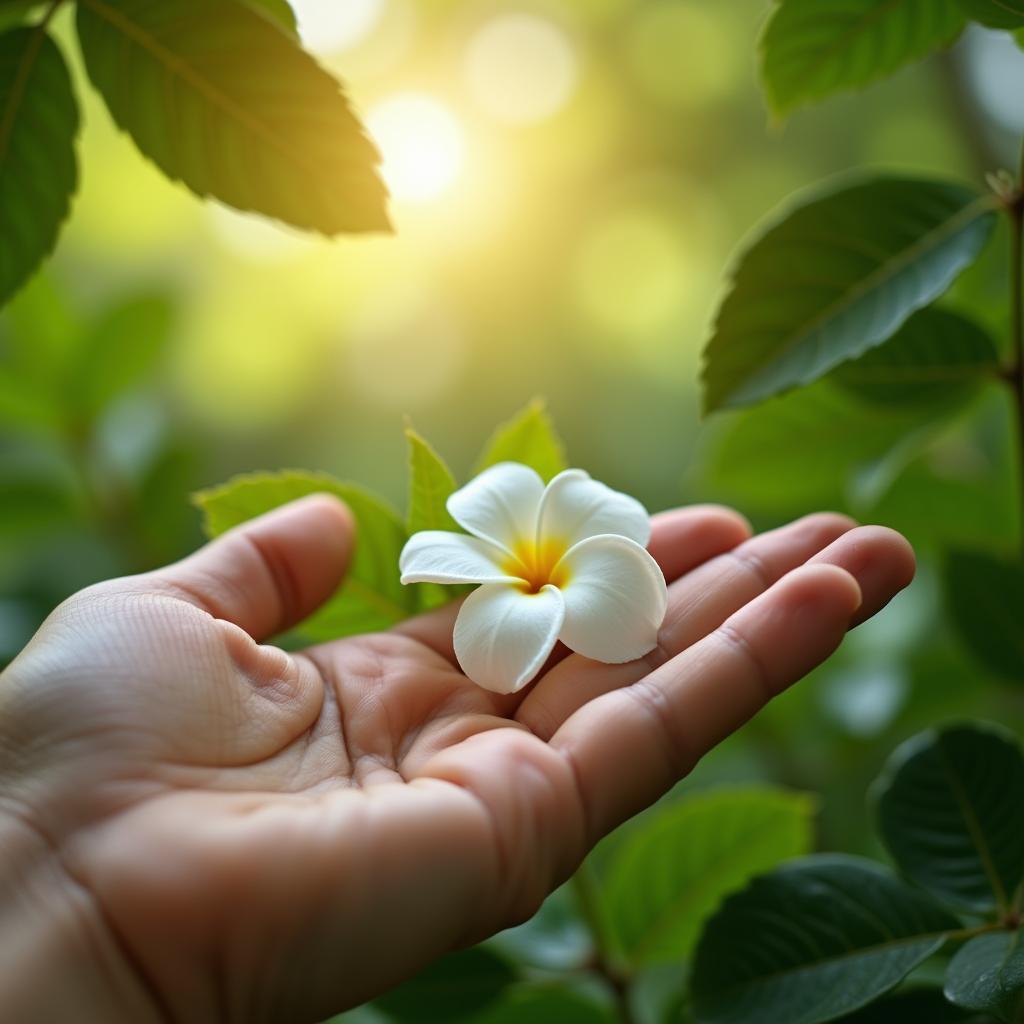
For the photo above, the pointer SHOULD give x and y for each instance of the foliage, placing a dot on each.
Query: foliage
(287, 143)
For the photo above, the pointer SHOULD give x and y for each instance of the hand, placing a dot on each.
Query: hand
(220, 831)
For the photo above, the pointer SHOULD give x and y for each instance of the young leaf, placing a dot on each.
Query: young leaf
(279, 11)
(38, 169)
(817, 938)
(995, 13)
(835, 277)
(672, 873)
(810, 50)
(947, 806)
(371, 596)
(936, 356)
(430, 483)
(986, 600)
(530, 438)
(457, 986)
(218, 97)
(988, 974)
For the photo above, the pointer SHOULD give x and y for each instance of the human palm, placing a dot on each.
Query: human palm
(244, 834)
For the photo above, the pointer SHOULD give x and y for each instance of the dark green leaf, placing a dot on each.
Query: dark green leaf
(371, 596)
(120, 347)
(995, 13)
(545, 1004)
(988, 974)
(919, 1006)
(453, 988)
(836, 277)
(947, 805)
(811, 50)
(218, 97)
(936, 356)
(673, 871)
(817, 938)
(430, 484)
(38, 170)
(986, 600)
(530, 438)
(278, 10)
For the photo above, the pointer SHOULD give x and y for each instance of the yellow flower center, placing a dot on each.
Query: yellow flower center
(537, 564)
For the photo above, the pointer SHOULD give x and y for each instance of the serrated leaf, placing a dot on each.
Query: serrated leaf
(810, 50)
(38, 168)
(947, 806)
(668, 876)
(530, 438)
(815, 939)
(986, 601)
(222, 100)
(120, 347)
(995, 13)
(430, 483)
(371, 596)
(936, 356)
(453, 988)
(988, 974)
(835, 277)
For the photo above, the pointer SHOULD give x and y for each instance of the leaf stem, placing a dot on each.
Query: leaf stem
(50, 12)
(605, 961)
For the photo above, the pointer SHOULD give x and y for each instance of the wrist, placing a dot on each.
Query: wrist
(60, 961)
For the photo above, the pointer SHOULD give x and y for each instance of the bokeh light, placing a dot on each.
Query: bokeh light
(421, 143)
(330, 26)
(521, 68)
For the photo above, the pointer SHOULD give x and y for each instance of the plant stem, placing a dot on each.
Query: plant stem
(50, 12)
(584, 885)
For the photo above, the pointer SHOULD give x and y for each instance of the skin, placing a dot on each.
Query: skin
(198, 827)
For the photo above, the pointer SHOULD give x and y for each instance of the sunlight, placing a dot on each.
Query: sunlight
(332, 27)
(422, 145)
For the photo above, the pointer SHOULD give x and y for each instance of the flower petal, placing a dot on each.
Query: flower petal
(615, 599)
(437, 556)
(575, 507)
(503, 635)
(500, 505)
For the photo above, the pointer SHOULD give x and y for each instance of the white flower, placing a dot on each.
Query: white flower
(563, 562)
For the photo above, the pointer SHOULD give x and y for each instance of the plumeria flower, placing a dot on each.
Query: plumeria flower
(564, 562)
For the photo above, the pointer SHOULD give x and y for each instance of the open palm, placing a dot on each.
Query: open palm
(242, 834)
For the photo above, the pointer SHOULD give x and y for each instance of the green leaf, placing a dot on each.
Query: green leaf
(986, 599)
(371, 596)
(14, 12)
(218, 97)
(917, 1006)
(120, 347)
(988, 974)
(668, 876)
(936, 356)
(530, 438)
(279, 11)
(452, 988)
(835, 277)
(947, 806)
(810, 50)
(38, 169)
(430, 483)
(817, 938)
(545, 1004)
(995, 13)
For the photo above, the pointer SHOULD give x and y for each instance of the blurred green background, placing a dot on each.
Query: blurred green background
(570, 180)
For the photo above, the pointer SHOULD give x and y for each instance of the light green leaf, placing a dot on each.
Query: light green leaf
(371, 597)
(38, 169)
(988, 974)
(948, 805)
(218, 97)
(530, 438)
(810, 50)
(986, 598)
(673, 872)
(995, 13)
(453, 988)
(835, 277)
(430, 483)
(936, 356)
(815, 939)
(279, 11)
(120, 347)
